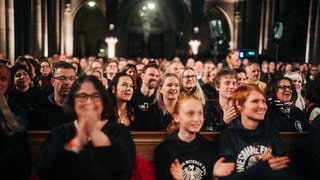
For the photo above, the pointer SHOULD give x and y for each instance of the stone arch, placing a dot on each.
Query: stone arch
(166, 22)
(90, 28)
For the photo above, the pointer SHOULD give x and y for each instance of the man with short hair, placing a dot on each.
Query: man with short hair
(50, 111)
(145, 95)
(253, 75)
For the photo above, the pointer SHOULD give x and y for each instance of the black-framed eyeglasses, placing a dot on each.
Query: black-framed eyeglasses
(284, 87)
(189, 76)
(82, 97)
(65, 78)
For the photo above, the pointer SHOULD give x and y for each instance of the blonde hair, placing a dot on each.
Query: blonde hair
(159, 97)
(198, 93)
(8, 123)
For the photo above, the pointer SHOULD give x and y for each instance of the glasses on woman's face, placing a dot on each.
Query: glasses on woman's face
(82, 97)
(284, 87)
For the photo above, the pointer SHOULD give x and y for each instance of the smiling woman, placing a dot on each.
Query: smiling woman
(121, 91)
(94, 145)
(282, 113)
(254, 146)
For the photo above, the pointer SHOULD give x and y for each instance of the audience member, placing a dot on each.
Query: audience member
(4, 78)
(49, 112)
(241, 76)
(111, 70)
(15, 159)
(208, 68)
(282, 112)
(144, 96)
(220, 113)
(298, 82)
(265, 74)
(232, 60)
(174, 66)
(121, 91)
(313, 72)
(23, 97)
(186, 154)
(199, 68)
(139, 67)
(255, 148)
(131, 70)
(94, 145)
(98, 65)
(190, 84)
(312, 109)
(45, 73)
(253, 76)
(160, 112)
(314, 149)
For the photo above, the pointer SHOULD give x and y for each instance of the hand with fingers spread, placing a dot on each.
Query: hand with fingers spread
(176, 170)
(222, 168)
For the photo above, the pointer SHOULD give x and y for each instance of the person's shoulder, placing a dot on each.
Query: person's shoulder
(229, 131)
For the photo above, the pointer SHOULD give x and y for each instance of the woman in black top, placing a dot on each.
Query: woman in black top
(121, 91)
(282, 112)
(254, 146)
(185, 154)
(94, 145)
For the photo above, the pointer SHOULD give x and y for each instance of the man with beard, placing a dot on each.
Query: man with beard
(253, 73)
(145, 95)
(50, 111)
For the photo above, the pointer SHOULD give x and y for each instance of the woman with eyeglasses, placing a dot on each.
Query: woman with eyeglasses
(190, 85)
(282, 112)
(94, 145)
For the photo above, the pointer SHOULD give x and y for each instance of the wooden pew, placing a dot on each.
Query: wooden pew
(146, 141)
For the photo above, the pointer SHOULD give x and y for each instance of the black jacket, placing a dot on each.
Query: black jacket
(109, 162)
(46, 115)
(295, 121)
(15, 158)
(213, 117)
(314, 147)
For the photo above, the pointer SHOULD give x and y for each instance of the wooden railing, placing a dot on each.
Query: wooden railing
(146, 141)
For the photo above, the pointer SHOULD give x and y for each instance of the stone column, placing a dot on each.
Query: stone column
(68, 30)
(10, 31)
(3, 28)
(111, 41)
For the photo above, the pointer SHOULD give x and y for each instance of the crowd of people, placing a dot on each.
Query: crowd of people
(90, 105)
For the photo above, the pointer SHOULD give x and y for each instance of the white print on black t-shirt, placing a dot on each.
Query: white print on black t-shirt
(247, 157)
(193, 170)
(144, 106)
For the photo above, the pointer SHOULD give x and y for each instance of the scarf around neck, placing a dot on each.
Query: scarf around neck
(285, 107)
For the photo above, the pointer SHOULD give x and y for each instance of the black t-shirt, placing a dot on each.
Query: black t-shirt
(196, 158)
